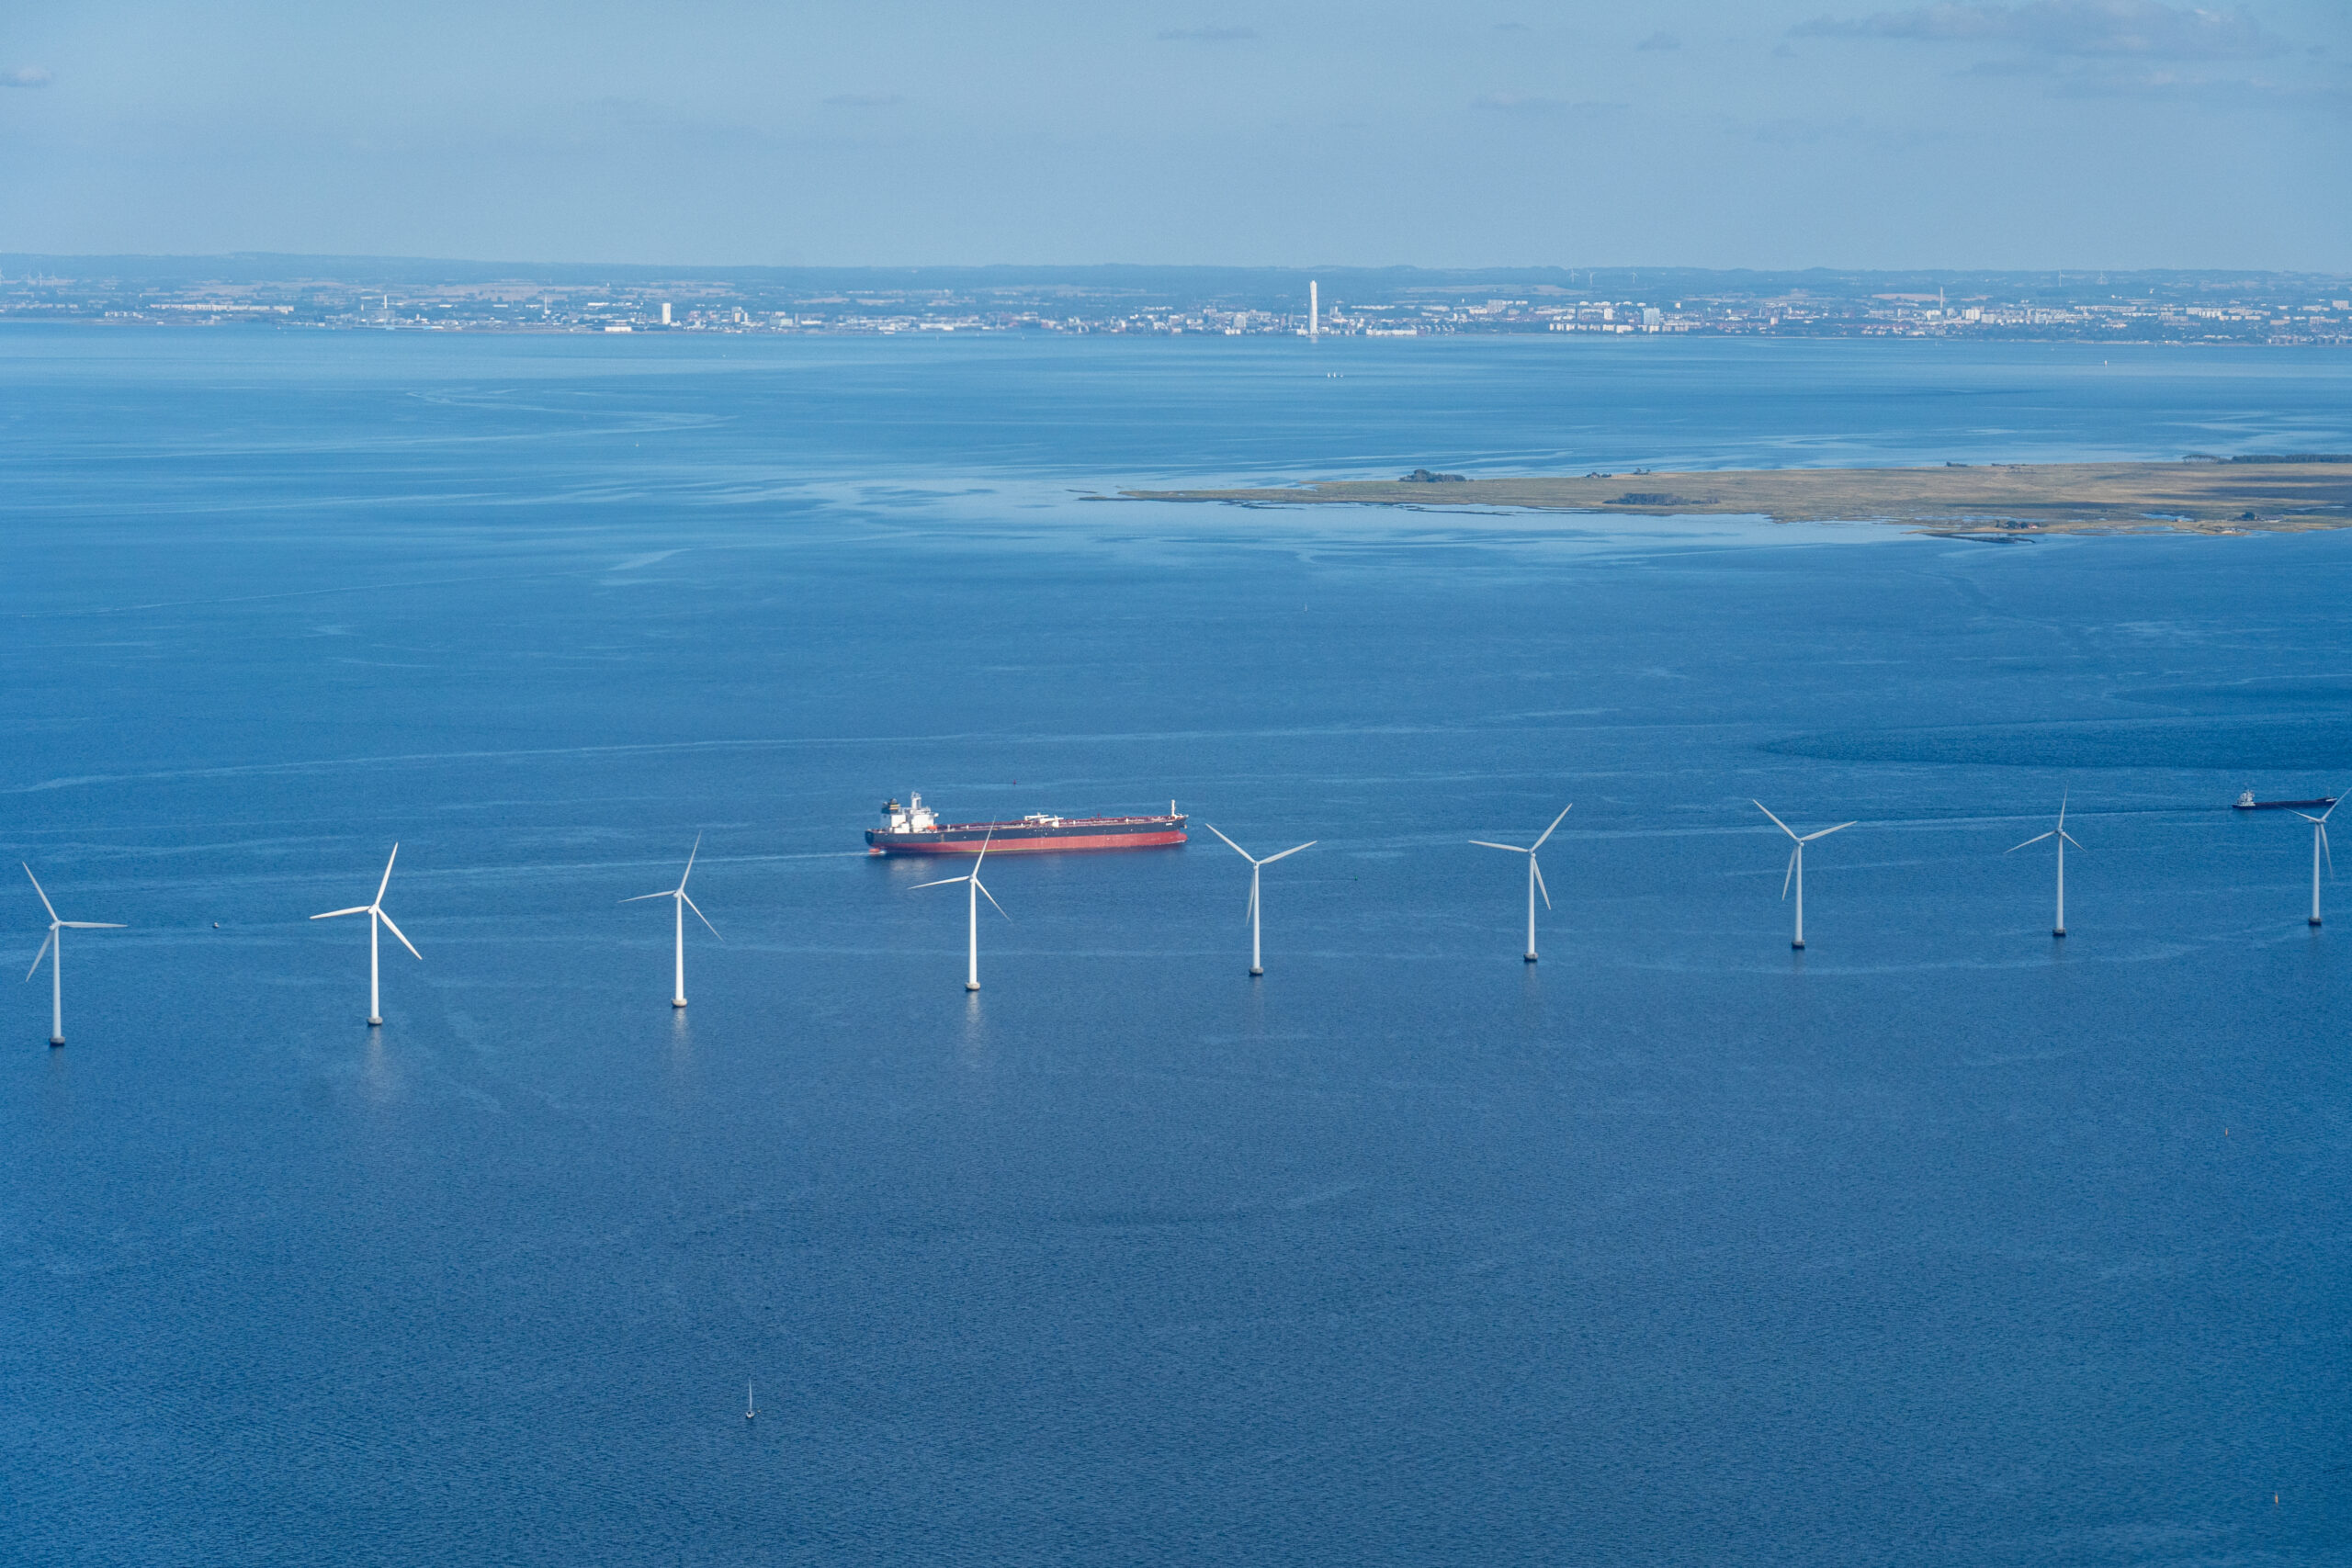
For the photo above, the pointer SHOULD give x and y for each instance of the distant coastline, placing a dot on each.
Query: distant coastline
(1580, 305)
(2273, 493)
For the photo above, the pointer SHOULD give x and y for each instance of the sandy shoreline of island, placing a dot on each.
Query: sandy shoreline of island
(2198, 495)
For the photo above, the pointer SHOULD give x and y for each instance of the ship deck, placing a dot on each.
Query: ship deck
(1056, 822)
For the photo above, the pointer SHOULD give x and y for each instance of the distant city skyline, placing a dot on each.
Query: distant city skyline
(417, 294)
(1771, 133)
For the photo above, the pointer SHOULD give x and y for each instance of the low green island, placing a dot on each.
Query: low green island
(2274, 493)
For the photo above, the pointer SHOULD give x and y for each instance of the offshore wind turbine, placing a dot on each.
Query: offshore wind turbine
(2065, 838)
(1796, 864)
(1534, 875)
(54, 948)
(374, 910)
(2319, 848)
(1257, 962)
(973, 897)
(678, 997)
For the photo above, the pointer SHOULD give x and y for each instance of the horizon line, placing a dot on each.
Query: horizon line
(153, 258)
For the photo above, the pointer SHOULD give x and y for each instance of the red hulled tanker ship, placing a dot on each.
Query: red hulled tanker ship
(915, 829)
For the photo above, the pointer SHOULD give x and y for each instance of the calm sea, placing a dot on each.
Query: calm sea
(1940, 1242)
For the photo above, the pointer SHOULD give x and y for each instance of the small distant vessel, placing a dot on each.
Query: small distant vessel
(915, 829)
(751, 1411)
(2247, 803)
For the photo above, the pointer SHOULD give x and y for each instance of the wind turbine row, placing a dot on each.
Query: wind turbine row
(1535, 874)
(379, 919)
(975, 890)
(1793, 878)
(374, 910)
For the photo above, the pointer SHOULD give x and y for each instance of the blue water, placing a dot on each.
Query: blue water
(1938, 1242)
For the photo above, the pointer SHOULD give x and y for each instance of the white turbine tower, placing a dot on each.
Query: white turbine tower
(1796, 864)
(1257, 962)
(976, 892)
(678, 997)
(374, 910)
(2319, 848)
(1534, 875)
(54, 948)
(2065, 838)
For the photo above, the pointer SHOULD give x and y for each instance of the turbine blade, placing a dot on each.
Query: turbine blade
(690, 862)
(986, 838)
(1825, 832)
(2330, 811)
(396, 932)
(1793, 866)
(2029, 843)
(1237, 849)
(2309, 819)
(388, 873)
(2325, 854)
(42, 954)
(941, 882)
(1555, 824)
(37, 887)
(2062, 809)
(94, 925)
(2072, 840)
(988, 895)
(700, 915)
(338, 914)
(1512, 848)
(1784, 826)
(640, 899)
(1291, 851)
(1249, 909)
(1537, 868)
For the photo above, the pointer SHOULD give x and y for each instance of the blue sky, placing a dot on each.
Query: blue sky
(1769, 133)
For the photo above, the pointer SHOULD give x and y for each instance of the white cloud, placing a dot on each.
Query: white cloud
(25, 76)
(2150, 28)
(1533, 105)
(2122, 80)
(1206, 35)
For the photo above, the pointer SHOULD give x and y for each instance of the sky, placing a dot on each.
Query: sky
(1722, 133)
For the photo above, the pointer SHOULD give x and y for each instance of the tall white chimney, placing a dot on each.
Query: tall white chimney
(1314, 309)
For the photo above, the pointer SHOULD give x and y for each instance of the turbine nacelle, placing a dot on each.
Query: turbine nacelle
(2319, 828)
(2057, 832)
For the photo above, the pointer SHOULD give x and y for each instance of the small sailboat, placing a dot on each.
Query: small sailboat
(751, 1411)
